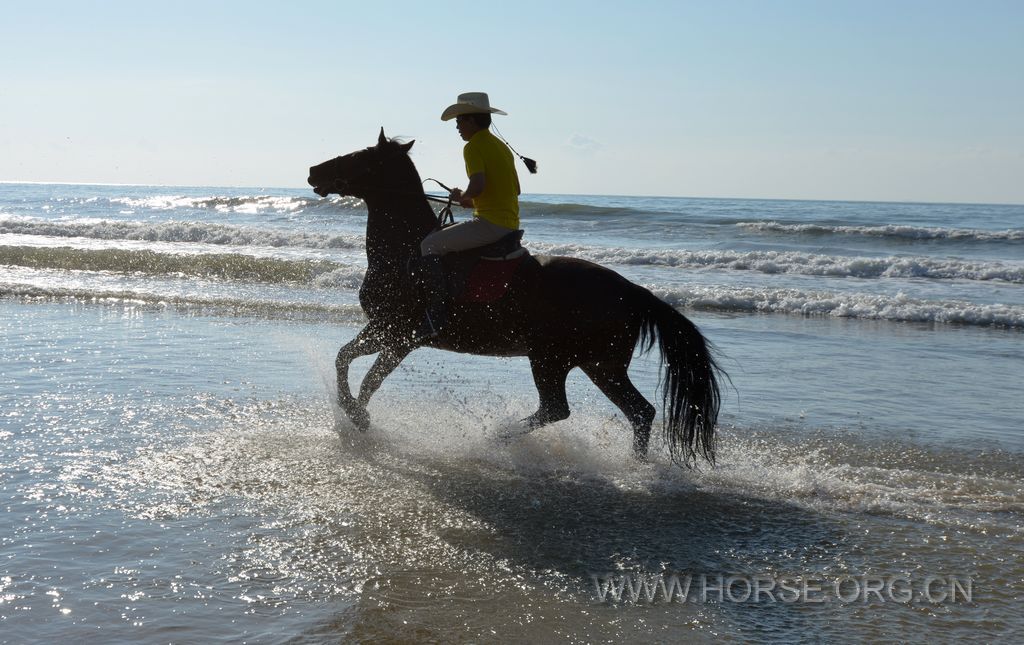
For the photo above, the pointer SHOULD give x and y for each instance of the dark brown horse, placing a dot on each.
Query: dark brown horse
(560, 312)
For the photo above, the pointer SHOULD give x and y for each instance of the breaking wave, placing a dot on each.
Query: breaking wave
(769, 262)
(328, 276)
(893, 231)
(267, 308)
(192, 232)
(893, 308)
(227, 266)
(251, 204)
(792, 262)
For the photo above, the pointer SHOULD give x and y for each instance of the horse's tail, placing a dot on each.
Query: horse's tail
(690, 394)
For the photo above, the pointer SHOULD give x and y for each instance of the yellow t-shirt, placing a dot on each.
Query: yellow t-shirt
(499, 203)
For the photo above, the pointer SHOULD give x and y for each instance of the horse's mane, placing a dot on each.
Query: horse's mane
(402, 146)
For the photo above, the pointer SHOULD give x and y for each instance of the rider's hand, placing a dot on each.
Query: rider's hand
(459, 198)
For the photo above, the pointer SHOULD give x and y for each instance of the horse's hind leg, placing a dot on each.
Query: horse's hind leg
(549, 374)
(613, 381)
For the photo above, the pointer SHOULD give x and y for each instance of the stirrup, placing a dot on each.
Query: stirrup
(426, 330)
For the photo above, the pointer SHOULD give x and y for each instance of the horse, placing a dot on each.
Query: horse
(559, 312)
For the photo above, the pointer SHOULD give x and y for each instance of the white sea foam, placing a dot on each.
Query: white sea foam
(332, 277)
(896, 231)
(250, 204)
(769, 262)
(896, 308)
(792, 262)
(245, 305)
(190, 231)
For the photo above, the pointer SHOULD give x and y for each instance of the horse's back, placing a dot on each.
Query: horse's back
(574, 279)
(577, 297)
(554, 304)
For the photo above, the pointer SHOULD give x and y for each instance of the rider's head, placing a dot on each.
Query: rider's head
(470, 124)
(473, 111)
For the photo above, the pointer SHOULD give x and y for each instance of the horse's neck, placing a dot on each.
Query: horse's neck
(395, 227)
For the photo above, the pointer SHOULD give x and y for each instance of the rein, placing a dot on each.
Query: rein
(446, 215)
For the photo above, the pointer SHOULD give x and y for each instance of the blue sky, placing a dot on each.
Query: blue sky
(861, 100)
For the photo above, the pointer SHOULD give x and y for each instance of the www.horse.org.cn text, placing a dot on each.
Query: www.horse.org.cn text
(647, 588)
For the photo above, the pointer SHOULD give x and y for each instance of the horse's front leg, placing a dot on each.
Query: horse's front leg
(390, 357)
(365, 343)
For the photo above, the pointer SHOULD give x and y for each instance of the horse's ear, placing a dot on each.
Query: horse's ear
(381, 140)
(406, 147)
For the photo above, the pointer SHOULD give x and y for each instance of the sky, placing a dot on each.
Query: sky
(900, 100)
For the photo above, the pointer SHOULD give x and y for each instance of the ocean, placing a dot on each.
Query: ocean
(173, 468)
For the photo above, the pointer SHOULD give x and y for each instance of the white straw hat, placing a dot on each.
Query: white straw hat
(470, 103)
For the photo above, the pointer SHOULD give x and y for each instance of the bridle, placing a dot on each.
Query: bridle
(444, 217)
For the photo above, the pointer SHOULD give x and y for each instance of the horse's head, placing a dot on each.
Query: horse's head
(361, 173)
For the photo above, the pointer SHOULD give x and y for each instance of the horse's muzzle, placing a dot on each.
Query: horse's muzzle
(319, 190)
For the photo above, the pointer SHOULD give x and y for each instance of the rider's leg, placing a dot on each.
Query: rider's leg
(464, 235)
(431, 276)
(461, 236)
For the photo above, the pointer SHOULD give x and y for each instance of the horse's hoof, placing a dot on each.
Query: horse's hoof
(356, 413)
(362, 423)
(360, 419)
(510, 432)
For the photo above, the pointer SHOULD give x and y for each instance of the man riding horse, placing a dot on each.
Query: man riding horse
(493, 193)
(561, 313)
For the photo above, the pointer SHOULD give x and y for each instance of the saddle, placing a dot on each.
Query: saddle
(483, 274)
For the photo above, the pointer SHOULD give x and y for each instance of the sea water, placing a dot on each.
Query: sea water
(173, 467)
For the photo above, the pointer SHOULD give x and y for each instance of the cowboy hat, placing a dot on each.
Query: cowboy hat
(470, 103)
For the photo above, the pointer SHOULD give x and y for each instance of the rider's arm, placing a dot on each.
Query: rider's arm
(477, 183)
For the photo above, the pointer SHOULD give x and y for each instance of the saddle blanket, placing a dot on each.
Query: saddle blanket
(489, 279)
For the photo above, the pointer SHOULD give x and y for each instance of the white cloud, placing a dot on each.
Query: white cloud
(584, 145)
